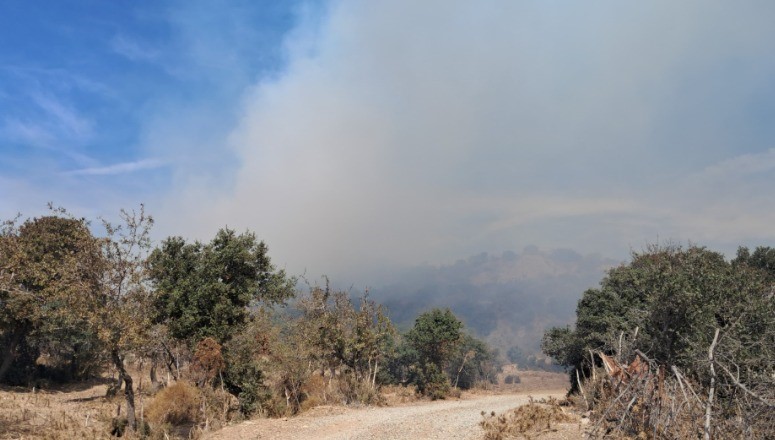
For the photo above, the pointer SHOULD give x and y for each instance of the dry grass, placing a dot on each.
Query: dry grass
(528, 421)
(63, 413)
(399, 394)
(529, 381)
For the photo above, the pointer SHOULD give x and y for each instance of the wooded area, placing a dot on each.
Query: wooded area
(216, 322)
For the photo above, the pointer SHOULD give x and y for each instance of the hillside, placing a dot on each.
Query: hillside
(508, 299)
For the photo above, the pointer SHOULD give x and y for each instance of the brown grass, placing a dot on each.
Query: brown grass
(64, 413)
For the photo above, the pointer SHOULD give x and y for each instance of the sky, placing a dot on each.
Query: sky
(356, 137)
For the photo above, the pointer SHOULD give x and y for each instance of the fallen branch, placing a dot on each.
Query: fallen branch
(643, 355)
(744, 388)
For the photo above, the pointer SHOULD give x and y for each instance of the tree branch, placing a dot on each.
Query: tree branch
(712, 390)
(744, 388)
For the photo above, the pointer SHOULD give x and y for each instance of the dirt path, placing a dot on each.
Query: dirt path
(447, 419)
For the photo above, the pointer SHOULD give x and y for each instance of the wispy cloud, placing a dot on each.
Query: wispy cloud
(26, 133)
(119, 168)
(133, 49)
(65, 118)
(741, 166)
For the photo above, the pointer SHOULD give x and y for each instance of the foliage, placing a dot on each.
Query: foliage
(120, 313)
(208, 362)
(432, 341)
(243, 376)
(435, 335)
(204, 290)
(430, 380)
(676, 306)
(345, 339)
(762, 258)
(675, 298)
(472, 362)
(46, 265)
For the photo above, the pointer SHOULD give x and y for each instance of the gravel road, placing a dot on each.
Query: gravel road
(446, 419)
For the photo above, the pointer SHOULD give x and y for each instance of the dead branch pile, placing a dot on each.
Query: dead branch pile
(645, 400)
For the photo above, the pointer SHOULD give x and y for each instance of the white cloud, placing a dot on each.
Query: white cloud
(119, 168)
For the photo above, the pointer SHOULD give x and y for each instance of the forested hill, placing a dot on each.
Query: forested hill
(508, 299)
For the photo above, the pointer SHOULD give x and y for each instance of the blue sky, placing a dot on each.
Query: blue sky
(84, 83)
(357, 136)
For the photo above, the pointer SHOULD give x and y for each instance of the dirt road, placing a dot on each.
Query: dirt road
(446, 419)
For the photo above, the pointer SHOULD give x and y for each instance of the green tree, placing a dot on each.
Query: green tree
(433, 339)
(204, 290)
(675, 299)
(762, 258)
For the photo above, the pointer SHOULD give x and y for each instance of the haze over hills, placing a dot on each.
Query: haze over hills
(508, 299)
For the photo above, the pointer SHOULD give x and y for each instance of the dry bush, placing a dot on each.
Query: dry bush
(395, 394)
(208, 362)
(177, 404)
(662, 403)
(527, 421)
(357, 391)
(315, 390)
(219, 406)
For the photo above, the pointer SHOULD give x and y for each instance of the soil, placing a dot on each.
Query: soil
(445, 419)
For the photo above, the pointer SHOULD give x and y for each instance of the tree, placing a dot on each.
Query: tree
(120, 312)
(674, 299)
(435, 336)
(472, 362)
(348, 342)
(204, 290)
(47, 265)
(762, 258)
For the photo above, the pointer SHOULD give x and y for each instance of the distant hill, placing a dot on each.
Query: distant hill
(508, 300)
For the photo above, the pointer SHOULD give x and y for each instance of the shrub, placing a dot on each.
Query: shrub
(431, 381)
(523, 421)
(243, 376)
(177, 404)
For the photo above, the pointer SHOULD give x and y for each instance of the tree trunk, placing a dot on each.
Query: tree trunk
(374, 378)
(154, 378)
(129, 392)
(460, 370)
